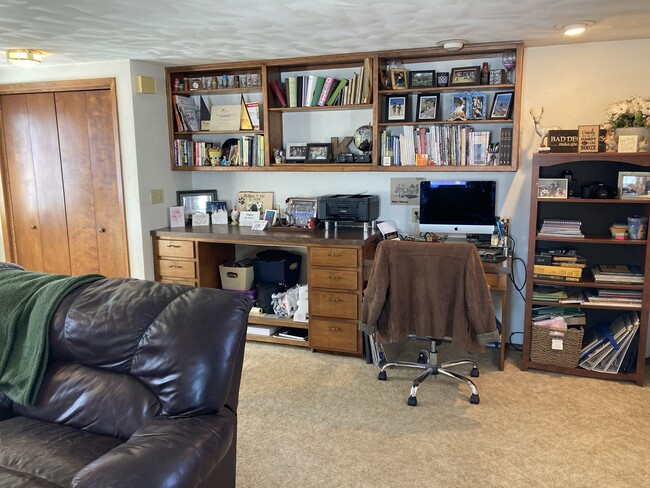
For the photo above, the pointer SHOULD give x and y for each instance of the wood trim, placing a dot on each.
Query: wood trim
(59, 86)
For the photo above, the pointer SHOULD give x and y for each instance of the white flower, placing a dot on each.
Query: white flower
(633, 112)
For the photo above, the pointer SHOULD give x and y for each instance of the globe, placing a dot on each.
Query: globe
(363, 138)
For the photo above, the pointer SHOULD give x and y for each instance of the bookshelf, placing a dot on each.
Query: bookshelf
(331, 123)
(597, 246)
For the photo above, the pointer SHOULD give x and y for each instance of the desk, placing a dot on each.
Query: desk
(192, 255)
(497, 278)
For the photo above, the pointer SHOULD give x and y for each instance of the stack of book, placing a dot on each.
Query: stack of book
(548, 293)
(618, 298)
(606, 348)
(561, 228)
(558, 273)
(556, 316)
(618, 273)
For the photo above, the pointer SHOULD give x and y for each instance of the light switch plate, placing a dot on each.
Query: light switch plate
(157, 195)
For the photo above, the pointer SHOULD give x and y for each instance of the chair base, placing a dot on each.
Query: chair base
(427, 362)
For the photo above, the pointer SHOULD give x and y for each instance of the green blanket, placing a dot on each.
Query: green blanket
(27, 302)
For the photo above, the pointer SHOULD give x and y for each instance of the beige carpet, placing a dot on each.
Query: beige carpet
(316, 420)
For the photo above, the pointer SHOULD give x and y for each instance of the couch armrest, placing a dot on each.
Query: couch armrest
(165, 452)
(6, 407)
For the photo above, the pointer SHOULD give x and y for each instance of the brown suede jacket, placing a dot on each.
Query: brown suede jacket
(429, 290)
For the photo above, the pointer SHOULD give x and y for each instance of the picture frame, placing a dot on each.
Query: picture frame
(194, 201)
(502, 105)
(428, 107)
(466, 76)
(553, 188)
(319, 153)
(422, 79)
(271, 216)
(460, 105)
(399, 78)
(477, 106)
(633, 185)
(296, 151)
(396, 108)
(300, 211)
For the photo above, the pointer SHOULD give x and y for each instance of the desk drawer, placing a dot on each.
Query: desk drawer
(332, 278)
(333, 304)
(178, 281)
(336, 335)
(173, 249)
(177, 269)
(333, 256)
(492, 279)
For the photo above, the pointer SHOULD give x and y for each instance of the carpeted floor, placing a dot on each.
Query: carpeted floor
(317, 420)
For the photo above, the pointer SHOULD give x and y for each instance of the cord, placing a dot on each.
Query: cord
(515, 346)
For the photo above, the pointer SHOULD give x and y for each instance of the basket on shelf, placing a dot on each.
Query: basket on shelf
(542, 352)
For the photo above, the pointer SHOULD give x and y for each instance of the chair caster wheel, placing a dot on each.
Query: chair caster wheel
(474, 373)
(474, 400)
(422, 359)
(382, 376)
(412, 401)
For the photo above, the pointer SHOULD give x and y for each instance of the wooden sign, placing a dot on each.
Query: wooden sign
(588, 136)
(628, 144)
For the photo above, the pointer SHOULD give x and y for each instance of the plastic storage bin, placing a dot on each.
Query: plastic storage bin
(277, 266)
(236, 278)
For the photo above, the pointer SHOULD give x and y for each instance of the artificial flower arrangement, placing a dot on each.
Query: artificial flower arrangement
(633, 112)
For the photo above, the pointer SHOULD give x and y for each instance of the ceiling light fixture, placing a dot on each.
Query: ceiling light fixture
(452, 44)
(24, 57)
(576, 28)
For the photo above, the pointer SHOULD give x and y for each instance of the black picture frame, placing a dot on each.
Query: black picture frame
(428, 107)
(422, 79)
(319, 153)
(502, 105)
(396, 108)
(466, 76)
(195, 201)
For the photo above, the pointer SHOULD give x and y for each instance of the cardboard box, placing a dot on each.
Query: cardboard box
(236, 278)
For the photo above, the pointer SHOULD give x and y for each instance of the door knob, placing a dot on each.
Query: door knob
(33, 226)
(101, 230)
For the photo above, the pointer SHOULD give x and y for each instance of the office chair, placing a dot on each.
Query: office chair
(428, 291)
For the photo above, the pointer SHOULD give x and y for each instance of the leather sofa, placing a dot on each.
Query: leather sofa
(140, 390)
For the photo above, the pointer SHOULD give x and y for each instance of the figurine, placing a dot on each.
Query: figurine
(302, 311)
(278, 154)
(234, 216)
(541, 132)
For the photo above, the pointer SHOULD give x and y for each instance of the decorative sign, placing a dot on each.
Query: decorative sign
(567, 141)
(588, 138)
(200, 219)
(628, 144)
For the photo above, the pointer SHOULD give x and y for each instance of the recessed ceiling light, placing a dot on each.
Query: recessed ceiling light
(24, 57)
(575, 28)
(452, 44)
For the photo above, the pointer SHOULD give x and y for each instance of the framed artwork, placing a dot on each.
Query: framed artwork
(502, 105)
(396, 108)
(398, 78)
(478, 104)
(427, 107)
(296, 151)
(254, 201)
(460, 105)
(300, 211)
(318, 153)
(422, 79)
(470, 75)
(633, 184)
(195, 201)
(553, 188)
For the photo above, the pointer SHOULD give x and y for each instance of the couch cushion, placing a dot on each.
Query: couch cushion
(46, 452)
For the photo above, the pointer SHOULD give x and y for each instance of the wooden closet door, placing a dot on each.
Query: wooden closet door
(92, 183)
(37, 209)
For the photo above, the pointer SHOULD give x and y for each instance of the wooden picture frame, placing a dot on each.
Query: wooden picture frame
(633, 185)
(557, 188)
(502, 105)
(319, 153)
(466, 76)
(399, 78)
(428, 107)
(478, 106)
(194, 201)
(396, 108)
(422, 79)
(296, 151)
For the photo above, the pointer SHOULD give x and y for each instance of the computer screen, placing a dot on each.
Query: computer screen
(457, 207)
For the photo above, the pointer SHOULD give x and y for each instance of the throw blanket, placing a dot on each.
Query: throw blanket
(27, 302)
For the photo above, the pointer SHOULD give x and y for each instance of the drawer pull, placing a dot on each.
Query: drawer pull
(334, 277)
(336, 299)
(333, 255)
(175, 266)
(335, 329)
(173, 246)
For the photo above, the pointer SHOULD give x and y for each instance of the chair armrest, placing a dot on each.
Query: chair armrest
(179, 452)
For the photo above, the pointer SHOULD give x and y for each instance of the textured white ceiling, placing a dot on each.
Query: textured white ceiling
(179, 32)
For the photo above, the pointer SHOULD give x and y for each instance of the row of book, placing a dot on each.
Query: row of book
(249, 151)
(633, 275)
(560, 228)
(318, 91)
(603, 296)
(611, 348)
(439, 145)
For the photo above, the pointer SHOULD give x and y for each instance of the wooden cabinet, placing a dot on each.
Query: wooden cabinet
(597, 245)
(325, 124)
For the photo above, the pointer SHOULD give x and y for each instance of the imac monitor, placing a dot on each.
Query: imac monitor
(457, 207)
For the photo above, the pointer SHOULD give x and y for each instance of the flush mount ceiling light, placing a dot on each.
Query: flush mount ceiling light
(575, 28)
(452, 44)
(24, 57)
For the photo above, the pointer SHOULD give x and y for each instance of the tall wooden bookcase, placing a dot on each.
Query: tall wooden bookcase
(596, 215)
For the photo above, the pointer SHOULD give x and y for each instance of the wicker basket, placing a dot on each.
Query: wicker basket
(542, 352)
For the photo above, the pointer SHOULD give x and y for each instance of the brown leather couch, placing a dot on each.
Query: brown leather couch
(141, 390)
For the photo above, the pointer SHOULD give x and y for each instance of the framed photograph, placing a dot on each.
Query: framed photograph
(296, 151)
(427, 107)
(553, 188)
(318, 153)
(470, 75)
(300, 211)
(398, 78)
(478, 108)
(195, 201)
(384, 79)
(396, 108)
(633, 184)
(460, 106)
(502, 105)
(422, 79)
(271, 216)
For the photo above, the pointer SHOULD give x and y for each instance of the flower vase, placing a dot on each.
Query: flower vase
(642, 132)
